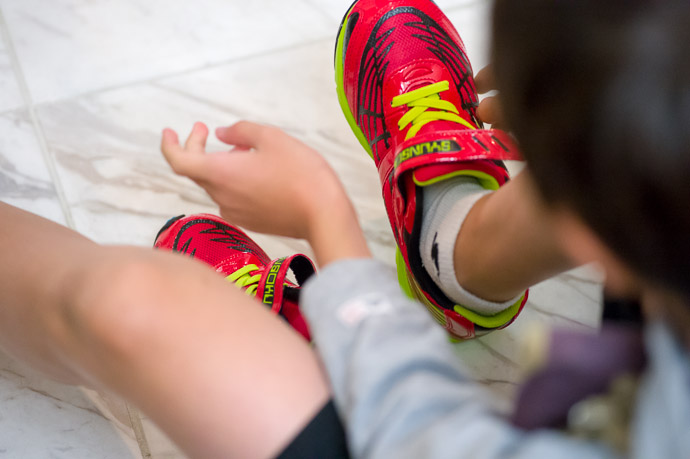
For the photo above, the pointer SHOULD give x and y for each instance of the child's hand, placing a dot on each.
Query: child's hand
(269, 182)
(489, 110)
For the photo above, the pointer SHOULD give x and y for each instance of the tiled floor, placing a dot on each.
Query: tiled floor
(86, 87)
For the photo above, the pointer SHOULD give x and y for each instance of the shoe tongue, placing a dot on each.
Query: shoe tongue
(418, 77)
(232, 264)
(424, 73)
(443, 125)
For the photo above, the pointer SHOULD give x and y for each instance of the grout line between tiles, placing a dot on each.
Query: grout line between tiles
(139, 433)
(38, 129)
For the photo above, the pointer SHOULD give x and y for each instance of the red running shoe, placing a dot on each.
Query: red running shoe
(235, 255)
(406, 87)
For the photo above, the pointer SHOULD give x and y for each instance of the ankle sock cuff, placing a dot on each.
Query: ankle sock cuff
(446, 205)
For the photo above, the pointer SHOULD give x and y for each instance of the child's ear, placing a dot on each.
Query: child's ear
(584, 246)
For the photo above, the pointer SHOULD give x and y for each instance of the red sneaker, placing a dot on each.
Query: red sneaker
(235, 255)
(406, 87)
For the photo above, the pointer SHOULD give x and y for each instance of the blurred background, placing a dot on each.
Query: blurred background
(86, 86)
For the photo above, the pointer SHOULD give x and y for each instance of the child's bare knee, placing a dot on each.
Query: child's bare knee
(119, 302)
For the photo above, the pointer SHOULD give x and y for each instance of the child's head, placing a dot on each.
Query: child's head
(598, 94)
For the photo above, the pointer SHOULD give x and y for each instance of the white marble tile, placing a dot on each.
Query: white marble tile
(40, 418)
(474, 26)
(69, 47)
(450, 5)
(10, 96)
(334, 10)
(160, 445)
(24, 178)
(114, 176)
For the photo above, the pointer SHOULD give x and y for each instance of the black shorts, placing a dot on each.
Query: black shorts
(323, 438)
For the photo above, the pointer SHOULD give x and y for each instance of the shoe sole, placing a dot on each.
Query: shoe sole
(339, 82)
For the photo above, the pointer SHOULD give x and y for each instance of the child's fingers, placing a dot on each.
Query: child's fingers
(244, 134)
(170, 144)
(196, 142)
(490, 111)
(181, 162)
(484, 80)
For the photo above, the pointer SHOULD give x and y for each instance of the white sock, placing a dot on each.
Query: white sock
(446, 205)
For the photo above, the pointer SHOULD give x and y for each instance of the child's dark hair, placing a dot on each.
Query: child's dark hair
(598, 94)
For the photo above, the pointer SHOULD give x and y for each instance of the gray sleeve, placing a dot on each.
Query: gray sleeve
(398, 386)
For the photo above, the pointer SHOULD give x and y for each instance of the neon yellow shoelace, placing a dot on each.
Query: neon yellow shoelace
(243, 278)
(422, 99)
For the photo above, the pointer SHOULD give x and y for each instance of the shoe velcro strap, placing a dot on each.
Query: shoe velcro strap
(463, 146)
(476, 153)
(270, 290)
(467, 145)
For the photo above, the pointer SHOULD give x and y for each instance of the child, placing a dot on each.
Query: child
(224, 378)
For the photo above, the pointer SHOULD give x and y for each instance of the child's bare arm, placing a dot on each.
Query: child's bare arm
(216, 371)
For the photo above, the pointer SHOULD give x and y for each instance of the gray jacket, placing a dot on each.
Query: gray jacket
(402, 393)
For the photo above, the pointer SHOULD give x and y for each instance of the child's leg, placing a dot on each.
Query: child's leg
(411, 101)
(506, 243)
(220, 374)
